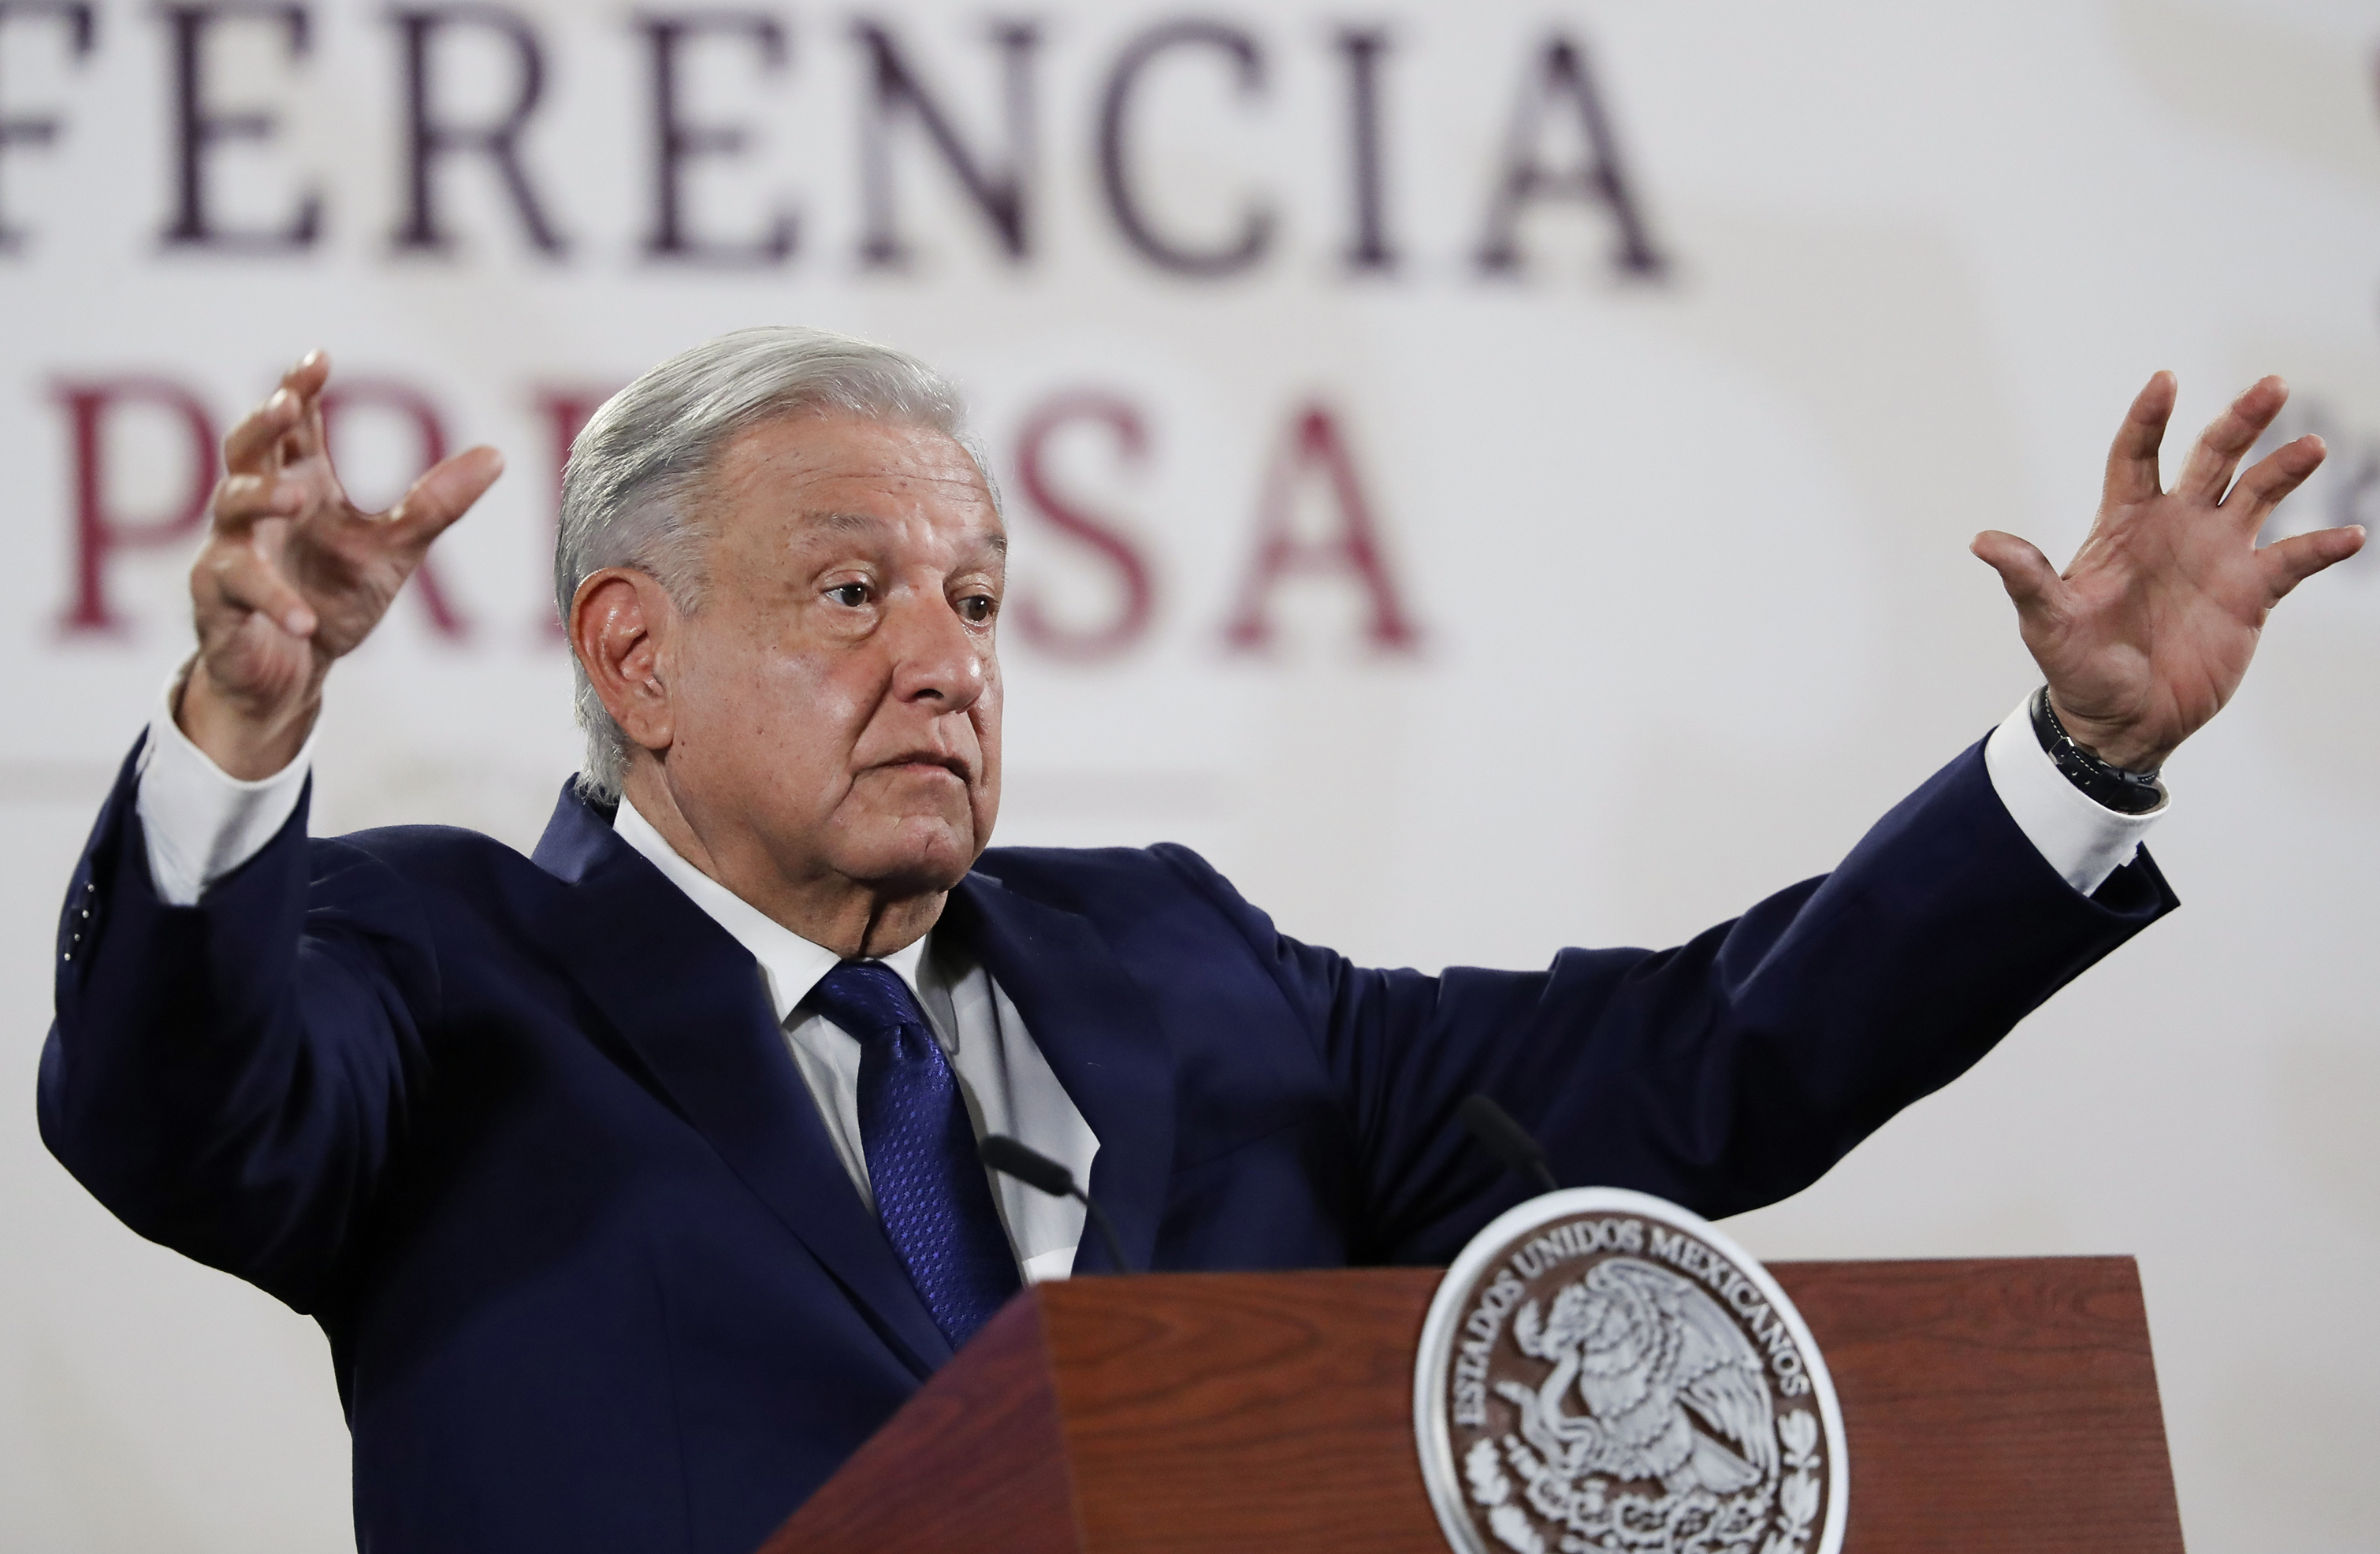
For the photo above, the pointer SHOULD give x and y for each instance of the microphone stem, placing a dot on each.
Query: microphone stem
(1106, 1231)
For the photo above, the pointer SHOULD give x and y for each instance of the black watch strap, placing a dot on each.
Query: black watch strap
(2112, 787)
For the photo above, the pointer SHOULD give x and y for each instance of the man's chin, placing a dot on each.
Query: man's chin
(920, 863)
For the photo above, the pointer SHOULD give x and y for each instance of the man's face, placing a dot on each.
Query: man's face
(835, 702)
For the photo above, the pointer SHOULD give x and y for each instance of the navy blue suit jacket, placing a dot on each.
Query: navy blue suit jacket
(523, 1135)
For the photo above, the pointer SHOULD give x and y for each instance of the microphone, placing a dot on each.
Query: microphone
(1492, 1125)
(1038, 1171)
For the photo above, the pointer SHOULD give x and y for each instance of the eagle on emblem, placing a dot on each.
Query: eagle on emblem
(1647, 1352)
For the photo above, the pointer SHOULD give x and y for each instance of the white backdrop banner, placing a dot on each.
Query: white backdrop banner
(1491, 476)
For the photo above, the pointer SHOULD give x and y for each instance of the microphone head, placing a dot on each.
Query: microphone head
(1031, 1167)
(1493, 1126)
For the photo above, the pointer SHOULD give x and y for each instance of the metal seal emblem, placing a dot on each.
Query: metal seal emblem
(1602, 1372)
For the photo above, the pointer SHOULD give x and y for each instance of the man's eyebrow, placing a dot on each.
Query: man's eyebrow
(846, 523)
(986, 551)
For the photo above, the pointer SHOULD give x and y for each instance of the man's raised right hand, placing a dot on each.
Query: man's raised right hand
(292, 577)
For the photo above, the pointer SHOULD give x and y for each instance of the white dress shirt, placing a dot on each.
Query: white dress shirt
(201, 823)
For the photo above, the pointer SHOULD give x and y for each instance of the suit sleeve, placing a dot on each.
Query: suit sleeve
(1725, 1073)
(229, 1077)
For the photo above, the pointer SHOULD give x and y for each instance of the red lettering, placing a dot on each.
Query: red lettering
(1316, 442)
(100, 531)
(355, 393)
(1137, 600)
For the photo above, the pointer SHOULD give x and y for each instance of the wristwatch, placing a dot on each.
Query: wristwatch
(2112, 787)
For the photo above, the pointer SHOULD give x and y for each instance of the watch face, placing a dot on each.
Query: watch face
(1601, 1369)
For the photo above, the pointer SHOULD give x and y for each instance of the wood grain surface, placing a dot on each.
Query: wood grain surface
(1250, 1411)
(1992, 1404)
(975, 1461)
(1995, 1404)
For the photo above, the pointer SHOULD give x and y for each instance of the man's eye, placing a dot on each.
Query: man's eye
(977, 608)
(850, 595)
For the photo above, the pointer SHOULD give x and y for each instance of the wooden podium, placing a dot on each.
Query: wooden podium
(1991, 1404)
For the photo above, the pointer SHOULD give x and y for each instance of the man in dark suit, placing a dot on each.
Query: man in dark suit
(633, 1181)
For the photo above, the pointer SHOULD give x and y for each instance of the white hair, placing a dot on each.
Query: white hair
(632, 490)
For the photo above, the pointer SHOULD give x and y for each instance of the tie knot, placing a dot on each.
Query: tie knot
(868, 999)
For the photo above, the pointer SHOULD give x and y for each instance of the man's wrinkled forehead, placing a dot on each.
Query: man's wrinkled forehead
(843, 476)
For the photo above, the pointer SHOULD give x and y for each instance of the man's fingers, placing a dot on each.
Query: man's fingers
(2133, 461)
(242, 500)
(307, 437)
(2230, 434)
(2290, 561)
(2272, 477)
(307, 377)
(250, 447)
(443, 495)
(247, 580)
(2030, 581)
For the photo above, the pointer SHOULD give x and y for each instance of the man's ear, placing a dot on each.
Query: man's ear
(618, 621)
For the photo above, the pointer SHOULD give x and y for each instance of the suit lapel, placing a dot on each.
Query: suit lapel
(692, 1005)
(1102, 1039)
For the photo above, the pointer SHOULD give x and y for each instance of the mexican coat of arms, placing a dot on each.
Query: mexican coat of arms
(1604, 1373)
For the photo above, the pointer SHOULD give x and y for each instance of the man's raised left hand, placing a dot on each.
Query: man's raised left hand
(2147, 632)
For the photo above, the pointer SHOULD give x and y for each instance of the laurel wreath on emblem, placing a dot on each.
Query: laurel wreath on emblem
(1648, 1355)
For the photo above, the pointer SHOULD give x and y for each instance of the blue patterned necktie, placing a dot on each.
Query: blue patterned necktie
(931, 1188)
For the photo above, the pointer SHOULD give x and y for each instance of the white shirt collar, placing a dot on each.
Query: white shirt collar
(792, 964)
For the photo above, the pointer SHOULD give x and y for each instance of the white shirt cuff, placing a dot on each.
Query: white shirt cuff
(203, 822)
(2082, 839)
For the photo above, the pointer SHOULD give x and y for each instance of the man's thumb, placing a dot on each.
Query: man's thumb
(2030, 581)
(445, 493)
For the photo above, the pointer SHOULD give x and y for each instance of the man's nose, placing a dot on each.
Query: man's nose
(935, 655)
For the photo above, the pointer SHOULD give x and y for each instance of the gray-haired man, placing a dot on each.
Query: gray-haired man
(634, 1182)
